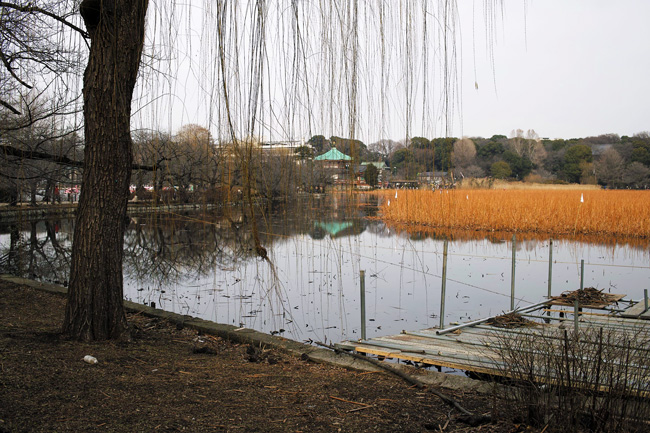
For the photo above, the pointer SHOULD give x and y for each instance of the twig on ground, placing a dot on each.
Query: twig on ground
(360, 408)
(348, 401)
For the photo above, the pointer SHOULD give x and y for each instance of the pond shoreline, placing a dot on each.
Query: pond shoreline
(175, 378)
(250, 336)
(27, 212)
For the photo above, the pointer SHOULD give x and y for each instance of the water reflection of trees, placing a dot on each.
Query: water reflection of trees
(38, 250)
(167, 247)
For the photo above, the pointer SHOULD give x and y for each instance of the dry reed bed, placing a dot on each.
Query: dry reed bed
(553, 212)
(508, 184)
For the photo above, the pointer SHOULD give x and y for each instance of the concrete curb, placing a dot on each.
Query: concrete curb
(294, 348)
(9, 214)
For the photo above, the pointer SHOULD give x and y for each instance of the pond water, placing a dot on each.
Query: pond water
(203, 264)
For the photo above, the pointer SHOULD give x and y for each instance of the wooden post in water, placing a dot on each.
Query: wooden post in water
(550, 269)
(550, 266)
(512, 280)
(443, 290)
(582, 274)
(362, 283)
(645, 299)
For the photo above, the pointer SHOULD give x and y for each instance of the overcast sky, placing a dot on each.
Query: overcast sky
(569, 68)
(564, 68)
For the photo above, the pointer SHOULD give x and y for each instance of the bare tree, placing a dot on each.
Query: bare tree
(609, 168)
(154, 149)
(39, 60)
(194, 161)
(528, 146)
(37, 45)
(637, 176)
(35, 131)
(95, 297)
(464, 153)
(276, 176)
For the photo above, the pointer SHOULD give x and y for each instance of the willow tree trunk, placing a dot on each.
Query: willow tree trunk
(95, 298)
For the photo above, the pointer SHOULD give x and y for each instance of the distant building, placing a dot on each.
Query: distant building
(434, 179)
(286, 147)
(333, 158)
(283, 147)
(336, 163)
(383, 170)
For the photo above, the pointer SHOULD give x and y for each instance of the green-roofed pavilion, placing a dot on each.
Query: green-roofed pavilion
(333, 155)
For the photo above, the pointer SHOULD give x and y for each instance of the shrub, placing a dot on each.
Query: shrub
(590, 380)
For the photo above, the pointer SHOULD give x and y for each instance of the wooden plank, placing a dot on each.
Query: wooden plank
(465, 338)
(623, 323)
(463, 362)
(425, 340)
(443, 350)
(448, 362)
(484, 359)
(479, 357)
(345, 345)
(440, 349)
(472, 348)
(637, 312)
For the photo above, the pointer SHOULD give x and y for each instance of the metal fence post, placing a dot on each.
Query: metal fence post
(443, 290)
(512, 281)
(362, 283)
(550, 266)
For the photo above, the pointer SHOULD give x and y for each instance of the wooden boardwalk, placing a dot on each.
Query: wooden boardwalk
(474, 346)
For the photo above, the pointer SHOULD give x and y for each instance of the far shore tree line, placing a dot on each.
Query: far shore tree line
(609, 160)
(42, 162)
(191, 166)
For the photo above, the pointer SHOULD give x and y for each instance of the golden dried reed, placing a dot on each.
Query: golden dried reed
(553, 212)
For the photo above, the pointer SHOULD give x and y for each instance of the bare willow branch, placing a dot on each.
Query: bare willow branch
(9, 107)
(64, 160)
(11, 71)
(32, 9)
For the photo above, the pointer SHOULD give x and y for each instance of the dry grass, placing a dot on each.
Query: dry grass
(549, 212)
(468, 184)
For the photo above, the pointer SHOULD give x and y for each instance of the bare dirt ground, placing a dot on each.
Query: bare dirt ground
(157, 382)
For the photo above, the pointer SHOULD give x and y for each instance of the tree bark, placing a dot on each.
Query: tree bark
(95, 298)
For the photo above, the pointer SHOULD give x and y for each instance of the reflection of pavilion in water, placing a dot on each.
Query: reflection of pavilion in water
(339, 215)
(337, 229)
